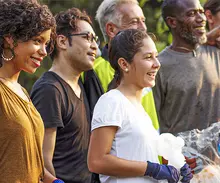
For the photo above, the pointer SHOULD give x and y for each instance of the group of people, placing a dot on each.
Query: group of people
(92, 119)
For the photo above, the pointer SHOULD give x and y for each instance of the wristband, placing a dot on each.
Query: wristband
(58, 181)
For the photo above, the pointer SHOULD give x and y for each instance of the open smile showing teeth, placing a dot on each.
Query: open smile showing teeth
(37, 62)
(200, 28)
(92, 54)
(152, 74)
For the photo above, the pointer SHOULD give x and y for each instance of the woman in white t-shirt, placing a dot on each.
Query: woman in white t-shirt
(122, 146)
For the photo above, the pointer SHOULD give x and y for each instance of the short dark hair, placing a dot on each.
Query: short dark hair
(67, 23)
(213, 6)
(125, 45)
(23, 20)
(169, 8)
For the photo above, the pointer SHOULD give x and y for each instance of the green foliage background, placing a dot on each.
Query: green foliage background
(154, 22)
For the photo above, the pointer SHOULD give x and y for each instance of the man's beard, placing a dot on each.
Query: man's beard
(189, 37)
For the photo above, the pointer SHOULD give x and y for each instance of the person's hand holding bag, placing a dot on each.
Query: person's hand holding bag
(162, 172)
(186, 173)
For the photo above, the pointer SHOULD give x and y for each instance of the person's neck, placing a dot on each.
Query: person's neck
(7, 72)
(66, 72)
(184, 47)
(130, 91)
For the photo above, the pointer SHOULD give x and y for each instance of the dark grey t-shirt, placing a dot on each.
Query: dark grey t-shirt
(60, 108)
(187, 90)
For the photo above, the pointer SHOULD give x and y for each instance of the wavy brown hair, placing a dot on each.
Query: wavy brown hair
(67, 23)
(23, 20)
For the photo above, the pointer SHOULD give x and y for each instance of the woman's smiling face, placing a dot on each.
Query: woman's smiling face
(145, 65)
(29, 54)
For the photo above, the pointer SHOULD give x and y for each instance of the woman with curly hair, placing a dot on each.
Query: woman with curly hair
(26, 28)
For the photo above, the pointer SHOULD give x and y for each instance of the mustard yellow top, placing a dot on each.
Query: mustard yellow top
(21, 139)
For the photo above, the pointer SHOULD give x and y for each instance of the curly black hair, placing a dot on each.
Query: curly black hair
(67, 23)
(23, 20)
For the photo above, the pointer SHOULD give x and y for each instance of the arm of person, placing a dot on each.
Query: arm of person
(213, 37)
(102, 162)
(48, 102)
(48, 177)
(48, 149)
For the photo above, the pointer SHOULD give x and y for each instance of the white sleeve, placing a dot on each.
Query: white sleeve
(108, 112)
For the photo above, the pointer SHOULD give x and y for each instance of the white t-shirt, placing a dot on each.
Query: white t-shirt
(135, 138)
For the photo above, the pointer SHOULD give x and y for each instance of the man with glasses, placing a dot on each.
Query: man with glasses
(59, 97)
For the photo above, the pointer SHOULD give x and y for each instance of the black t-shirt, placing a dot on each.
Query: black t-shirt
(60, 108)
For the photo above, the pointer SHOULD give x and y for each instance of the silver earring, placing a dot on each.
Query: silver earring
(126, 69)
(10, 58)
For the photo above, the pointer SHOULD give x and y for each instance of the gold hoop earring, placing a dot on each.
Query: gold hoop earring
(10, 58)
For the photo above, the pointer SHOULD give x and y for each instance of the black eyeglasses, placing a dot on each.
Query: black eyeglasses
(89, 36)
